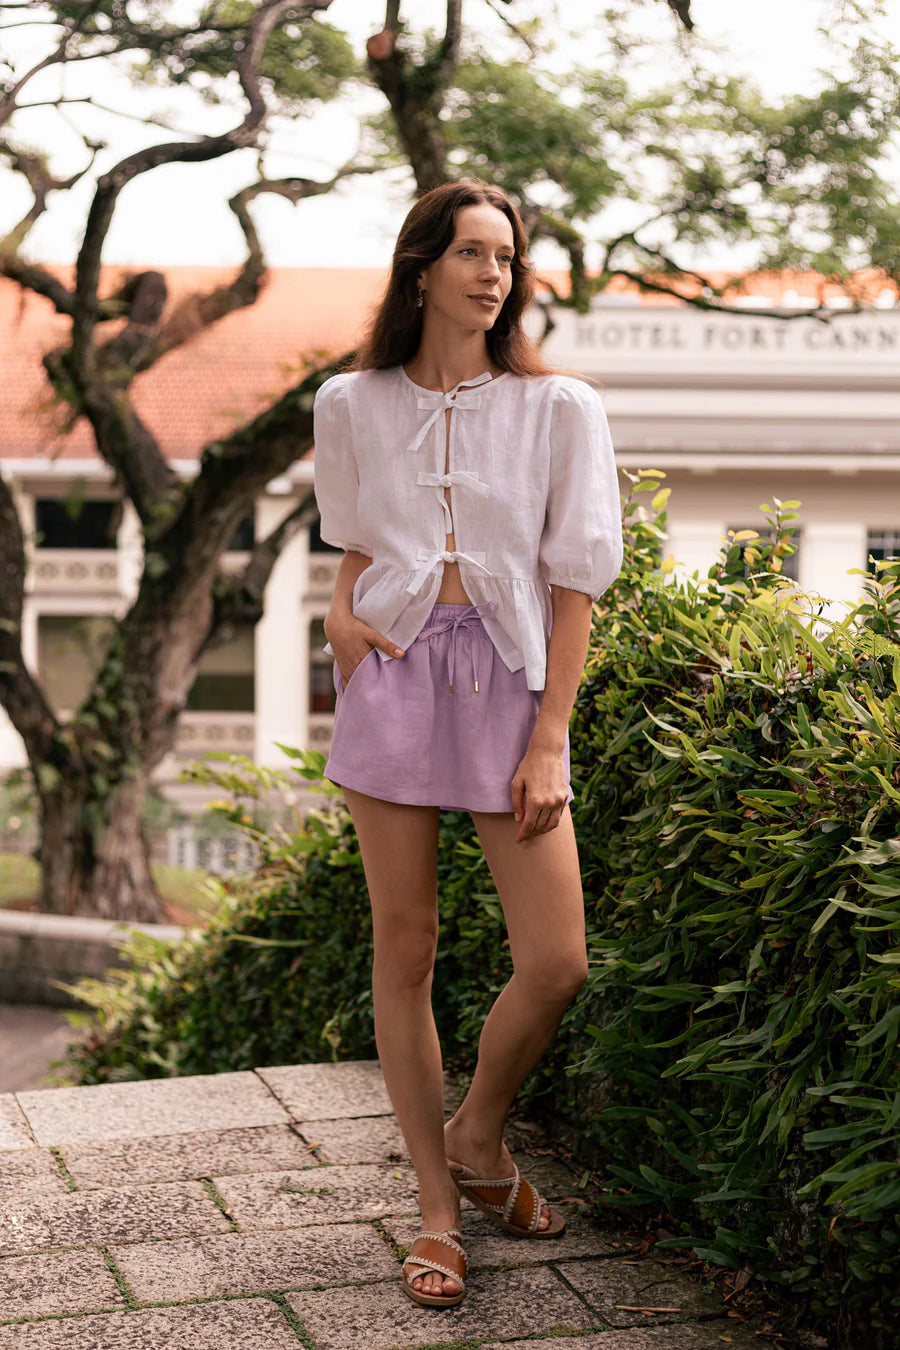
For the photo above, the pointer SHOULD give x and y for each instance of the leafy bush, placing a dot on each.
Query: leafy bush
(735, 765)
(738, 781)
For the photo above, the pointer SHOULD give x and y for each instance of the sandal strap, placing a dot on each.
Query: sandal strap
(516, 1183)
(444, 1236)
(427, 1267)
(426, 1263)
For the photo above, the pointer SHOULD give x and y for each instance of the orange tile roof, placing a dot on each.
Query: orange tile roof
(230, 371)
(223, 376)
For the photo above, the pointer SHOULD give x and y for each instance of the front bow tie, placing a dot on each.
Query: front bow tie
(430, 559)
(439, 403)
(459, 477)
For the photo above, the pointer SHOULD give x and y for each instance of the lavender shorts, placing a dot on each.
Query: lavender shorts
(400, 735)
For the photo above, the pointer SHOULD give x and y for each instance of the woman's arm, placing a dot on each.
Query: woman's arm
(539, 788)
(351, 568)
(350, 638)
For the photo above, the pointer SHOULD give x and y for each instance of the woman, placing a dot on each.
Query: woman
(474, 493)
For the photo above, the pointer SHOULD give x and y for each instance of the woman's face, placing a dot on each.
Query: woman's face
(471, 279)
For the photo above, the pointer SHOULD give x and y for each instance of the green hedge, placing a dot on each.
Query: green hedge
(737, 782)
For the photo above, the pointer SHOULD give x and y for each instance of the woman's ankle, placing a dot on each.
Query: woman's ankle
(474, 1134)
(439, 1208)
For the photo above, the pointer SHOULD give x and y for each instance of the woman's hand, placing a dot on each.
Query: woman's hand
(352, 640)
(539, 792)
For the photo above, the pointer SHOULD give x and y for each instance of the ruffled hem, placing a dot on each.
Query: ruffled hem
(519, 627)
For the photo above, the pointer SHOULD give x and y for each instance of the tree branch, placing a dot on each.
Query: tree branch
(713, 303)
(8, 101)
(544, 223)
(35, 278)
(448, 52)
(197, 312)
(416, 95)
(265, 18)
(682, 8)
(515, 29)
(20, 694)
(154, 119)
(33, 167)
(237, 468)
(239, 601)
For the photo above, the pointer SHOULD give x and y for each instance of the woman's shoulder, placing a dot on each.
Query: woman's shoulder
(347, 383)
(557, 386)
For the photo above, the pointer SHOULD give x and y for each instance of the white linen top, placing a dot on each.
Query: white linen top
(535, 499)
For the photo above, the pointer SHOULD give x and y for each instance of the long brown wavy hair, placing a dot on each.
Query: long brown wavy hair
(395, 331)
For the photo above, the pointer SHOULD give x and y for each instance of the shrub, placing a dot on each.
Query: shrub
(735, 765)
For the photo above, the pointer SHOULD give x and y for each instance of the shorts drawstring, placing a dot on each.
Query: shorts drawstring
(453, 625)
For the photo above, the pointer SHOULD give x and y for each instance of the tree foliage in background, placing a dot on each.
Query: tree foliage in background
(702, 159)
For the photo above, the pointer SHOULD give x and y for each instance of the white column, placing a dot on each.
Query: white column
(828, 549)
(30, 634)
(281, 644)
(129, 553)
(695, 544)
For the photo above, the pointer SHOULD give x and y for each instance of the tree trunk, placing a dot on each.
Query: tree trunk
(93, 854)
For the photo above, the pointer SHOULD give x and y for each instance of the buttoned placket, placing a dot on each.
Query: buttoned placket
(437, 403)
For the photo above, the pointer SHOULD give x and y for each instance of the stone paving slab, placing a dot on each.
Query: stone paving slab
(129, 1214)
(253, 1263)
(488, 1247)
(329, 1091)
(246, 1324)
(150, 1107)
(708, 1336)
(322, 1195)
(185, 1157)
(65, 1282)
(14, 1131)
(29, 1169)
(612, 1287)
(381, 1317)
(373, 1140)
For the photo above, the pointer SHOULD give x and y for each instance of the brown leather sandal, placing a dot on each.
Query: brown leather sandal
(432, 1247)
(510, 1202)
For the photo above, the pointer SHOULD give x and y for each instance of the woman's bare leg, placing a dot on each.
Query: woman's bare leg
(398, 847)
(539, 885)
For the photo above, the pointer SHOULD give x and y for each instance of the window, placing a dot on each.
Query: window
(789, 565)
(244, 536)
(72, 522)
(882, 545)
(71, 649)
(317, 543)
(322, 696)
(225, 678)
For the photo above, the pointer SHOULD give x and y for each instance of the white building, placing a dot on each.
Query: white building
(740, 408)
(735, 409)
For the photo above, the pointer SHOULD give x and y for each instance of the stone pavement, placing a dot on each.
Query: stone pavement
(270, 1210)
(32, 1037)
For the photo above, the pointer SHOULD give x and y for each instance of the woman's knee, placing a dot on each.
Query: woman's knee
(404, 958)
(556, 980)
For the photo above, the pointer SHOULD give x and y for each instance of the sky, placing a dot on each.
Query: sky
(178, 214)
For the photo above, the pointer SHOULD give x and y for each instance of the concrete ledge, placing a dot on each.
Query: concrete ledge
(36, 949)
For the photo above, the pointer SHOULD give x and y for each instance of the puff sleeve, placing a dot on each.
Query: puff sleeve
(581, 542)
(335, 474)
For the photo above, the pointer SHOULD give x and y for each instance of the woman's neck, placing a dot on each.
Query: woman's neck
(444, 361)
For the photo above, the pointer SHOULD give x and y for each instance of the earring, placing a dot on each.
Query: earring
(420, 298)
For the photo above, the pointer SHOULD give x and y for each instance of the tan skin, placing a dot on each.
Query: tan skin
(531, 852)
